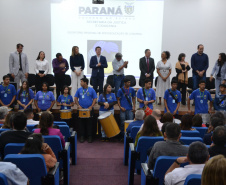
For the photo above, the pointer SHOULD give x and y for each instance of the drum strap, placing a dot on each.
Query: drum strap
(126, 96)
(173, 96)
(219, 102)
(144, 93)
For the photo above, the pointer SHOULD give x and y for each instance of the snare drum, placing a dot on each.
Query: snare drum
(109, 124)
(84, 113)
(126, 124)
(65, 114)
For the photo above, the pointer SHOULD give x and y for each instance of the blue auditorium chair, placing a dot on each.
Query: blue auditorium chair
(13, 148)
(62, 155)
(193, 179)
(3, 179)
(34, 167)
(190, 133)
(30, 127)
(202, 130)
(59, 123)
(138, 155)
(189, 140)
(156, 176)
(129, 138)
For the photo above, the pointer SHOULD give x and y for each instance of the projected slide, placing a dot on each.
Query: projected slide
(126, 26)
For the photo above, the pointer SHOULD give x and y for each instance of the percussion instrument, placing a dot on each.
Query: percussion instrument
(84, 113)
(65, 114)
(9, 109)
(148, 111)
(126, 124)
(109, 124)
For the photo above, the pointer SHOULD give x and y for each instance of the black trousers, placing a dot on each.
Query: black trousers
(183, 87)
(60, 83)
(85, 127)
(98, 82)
(39, 81)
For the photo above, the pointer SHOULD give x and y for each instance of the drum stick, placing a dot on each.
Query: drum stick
(97, 128)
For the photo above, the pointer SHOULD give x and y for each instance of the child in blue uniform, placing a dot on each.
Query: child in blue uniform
(25, 96)
(126, 101)
(146, 95)
(106, 100)
(7, 92)
(65, 100)
(220, 99)
(172, 99)
(201, 97)
(85, 98)
(44, 100)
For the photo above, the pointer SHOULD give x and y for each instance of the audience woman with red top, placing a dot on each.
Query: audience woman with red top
(35, 145)
(46, 127)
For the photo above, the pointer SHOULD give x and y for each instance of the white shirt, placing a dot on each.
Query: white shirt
(116, 65)
(32, 122)
(42, 66)
(178, 175)
(14, 175)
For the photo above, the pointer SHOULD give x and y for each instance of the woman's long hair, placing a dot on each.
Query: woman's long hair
(150, 127)
(73, 51)
(45, 122)
(27, 90)
(186, 122)
(33, 144)
(64, 87)
(105, 90)
(223, 59)
(38, 58)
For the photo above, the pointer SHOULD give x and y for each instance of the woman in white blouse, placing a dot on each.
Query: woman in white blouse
(41, 70)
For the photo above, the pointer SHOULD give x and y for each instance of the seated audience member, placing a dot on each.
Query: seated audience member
(18, 134)
(186, 122)
(170, 147)
(197, 121)
(35, 145)
(219, 141)
(214, 172)
(3, 113)
(30, 115)
(220, 99)
(46, 127)
(13, 174)
(167, 117)
(213, 124)
(197, 156)
(150, 128)
(139, 120)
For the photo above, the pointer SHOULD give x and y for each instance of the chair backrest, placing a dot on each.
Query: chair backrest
(193, 179)
(189, 140)
(144, 143)
(210, 84)
(67, 80)
(65, 130)
(132, 80)
(110, 80)
(4, 129)
(202, 130)
(10, 77)
(3, 179)
(50, 79)
(134, 131)
(190, 83)
(31, 79)
(13, 148)
(32, 165)
(30, 127)
(190, 133)
(59, 123)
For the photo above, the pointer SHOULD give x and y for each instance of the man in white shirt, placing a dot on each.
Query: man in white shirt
(18, 65)
(13, 174)
(197, 156)
(118, 71)
(30, 115)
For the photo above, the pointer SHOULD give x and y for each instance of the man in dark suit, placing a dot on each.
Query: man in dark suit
(98, 63)
(17, 135)
(147, 67)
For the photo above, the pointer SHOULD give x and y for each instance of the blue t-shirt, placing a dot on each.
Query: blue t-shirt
(123, 101)
(44, 99)
(220, 102)
(110, 98)
(24, 99)
(85, 96)
(7, 93)
(68, 100)
(149, 94)
(171, 103)
(201, 101)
